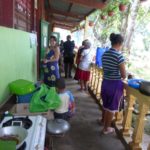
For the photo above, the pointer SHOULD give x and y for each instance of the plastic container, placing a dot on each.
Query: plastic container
(21, 87)
(134, 83)
(24, 98)
(99, 53)
(27, 97)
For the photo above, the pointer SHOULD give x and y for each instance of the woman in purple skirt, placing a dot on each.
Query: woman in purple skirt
(113, 64)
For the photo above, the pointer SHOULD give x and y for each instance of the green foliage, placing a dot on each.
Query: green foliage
(140, 50)
(111, 24)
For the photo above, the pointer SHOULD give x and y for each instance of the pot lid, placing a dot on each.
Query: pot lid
(57, 126)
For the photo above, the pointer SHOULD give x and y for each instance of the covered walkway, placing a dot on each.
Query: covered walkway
(40, 17)
(85, 131)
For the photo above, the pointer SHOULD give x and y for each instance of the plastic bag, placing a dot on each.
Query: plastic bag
(52, 99)
(71, 111)
(44, 99)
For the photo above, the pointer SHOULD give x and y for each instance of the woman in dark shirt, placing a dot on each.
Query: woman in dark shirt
(113, 64)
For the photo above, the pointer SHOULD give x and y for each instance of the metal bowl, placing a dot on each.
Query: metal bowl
(20, 132)
(57, 126)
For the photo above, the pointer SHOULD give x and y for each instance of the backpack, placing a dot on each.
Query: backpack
(71, 110)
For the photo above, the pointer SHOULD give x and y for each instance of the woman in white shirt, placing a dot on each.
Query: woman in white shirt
(84, 66)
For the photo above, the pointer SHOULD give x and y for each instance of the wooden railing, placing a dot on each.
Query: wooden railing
(133, 136)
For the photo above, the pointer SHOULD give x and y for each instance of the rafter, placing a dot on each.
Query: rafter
(65, 21)
(63, 13)
(49, 3)
(62, 26)
(89, 3)
(70, 6)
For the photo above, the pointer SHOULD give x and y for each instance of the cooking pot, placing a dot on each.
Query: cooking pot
(145, 88)
(57, 126)
(20, 132)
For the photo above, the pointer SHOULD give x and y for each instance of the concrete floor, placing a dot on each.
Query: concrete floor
(85, 131)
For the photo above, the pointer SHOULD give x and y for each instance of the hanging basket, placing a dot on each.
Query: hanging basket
(103, 17)
(110, 13)
(143, 0)
(122, 7)
(91, 23)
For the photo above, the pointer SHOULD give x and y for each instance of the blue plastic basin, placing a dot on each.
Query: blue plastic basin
(134, 83)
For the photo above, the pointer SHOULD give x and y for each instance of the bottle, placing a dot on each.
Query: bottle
(7, 114)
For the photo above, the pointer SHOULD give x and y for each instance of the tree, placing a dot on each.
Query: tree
(130, 22)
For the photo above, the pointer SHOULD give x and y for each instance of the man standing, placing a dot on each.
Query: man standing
(68, 56)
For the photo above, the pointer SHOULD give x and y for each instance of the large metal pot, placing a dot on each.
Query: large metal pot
(20, 132)
(57, 126)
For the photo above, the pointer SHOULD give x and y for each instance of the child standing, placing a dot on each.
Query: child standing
(67, 108)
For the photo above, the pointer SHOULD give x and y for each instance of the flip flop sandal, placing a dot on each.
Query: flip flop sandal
(109, 131)
(80, 90)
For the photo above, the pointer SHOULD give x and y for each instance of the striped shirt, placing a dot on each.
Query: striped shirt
(111, 60)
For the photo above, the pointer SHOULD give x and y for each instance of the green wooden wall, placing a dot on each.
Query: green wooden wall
(17, 59)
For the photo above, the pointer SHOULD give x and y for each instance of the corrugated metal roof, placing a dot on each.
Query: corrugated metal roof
(59, 16)
(80, 9)
(70, 12)
(73, 19)
(59, 5)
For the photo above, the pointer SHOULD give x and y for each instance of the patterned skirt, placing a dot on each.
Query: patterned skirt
(112, 94)
(51, 73)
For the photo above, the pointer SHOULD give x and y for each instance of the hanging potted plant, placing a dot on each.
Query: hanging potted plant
(103, 17)
(91, 23)
(123, 5)
(111, 9)
(143, 0)
(110, 13)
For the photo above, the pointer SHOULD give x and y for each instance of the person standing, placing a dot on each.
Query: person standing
(51, 69)
(68, 56)
(113, 64)
(61, 61)
(78, 59)
(86, 59)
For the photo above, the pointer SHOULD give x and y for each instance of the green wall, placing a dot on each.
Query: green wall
(17, 59)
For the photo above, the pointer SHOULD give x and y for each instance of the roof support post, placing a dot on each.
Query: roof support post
(86, 28)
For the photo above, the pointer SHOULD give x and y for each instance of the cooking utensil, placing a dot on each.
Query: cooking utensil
(17, 131)
(145, 88)
(57, 126)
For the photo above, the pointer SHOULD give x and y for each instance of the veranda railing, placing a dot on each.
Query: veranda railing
(133, 136)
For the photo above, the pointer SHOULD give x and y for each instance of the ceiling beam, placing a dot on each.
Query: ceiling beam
(65, 21)
(63, 13)
(62, 27)
(60, 24)
(69, 8)
(49, 3)
(89, 3)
